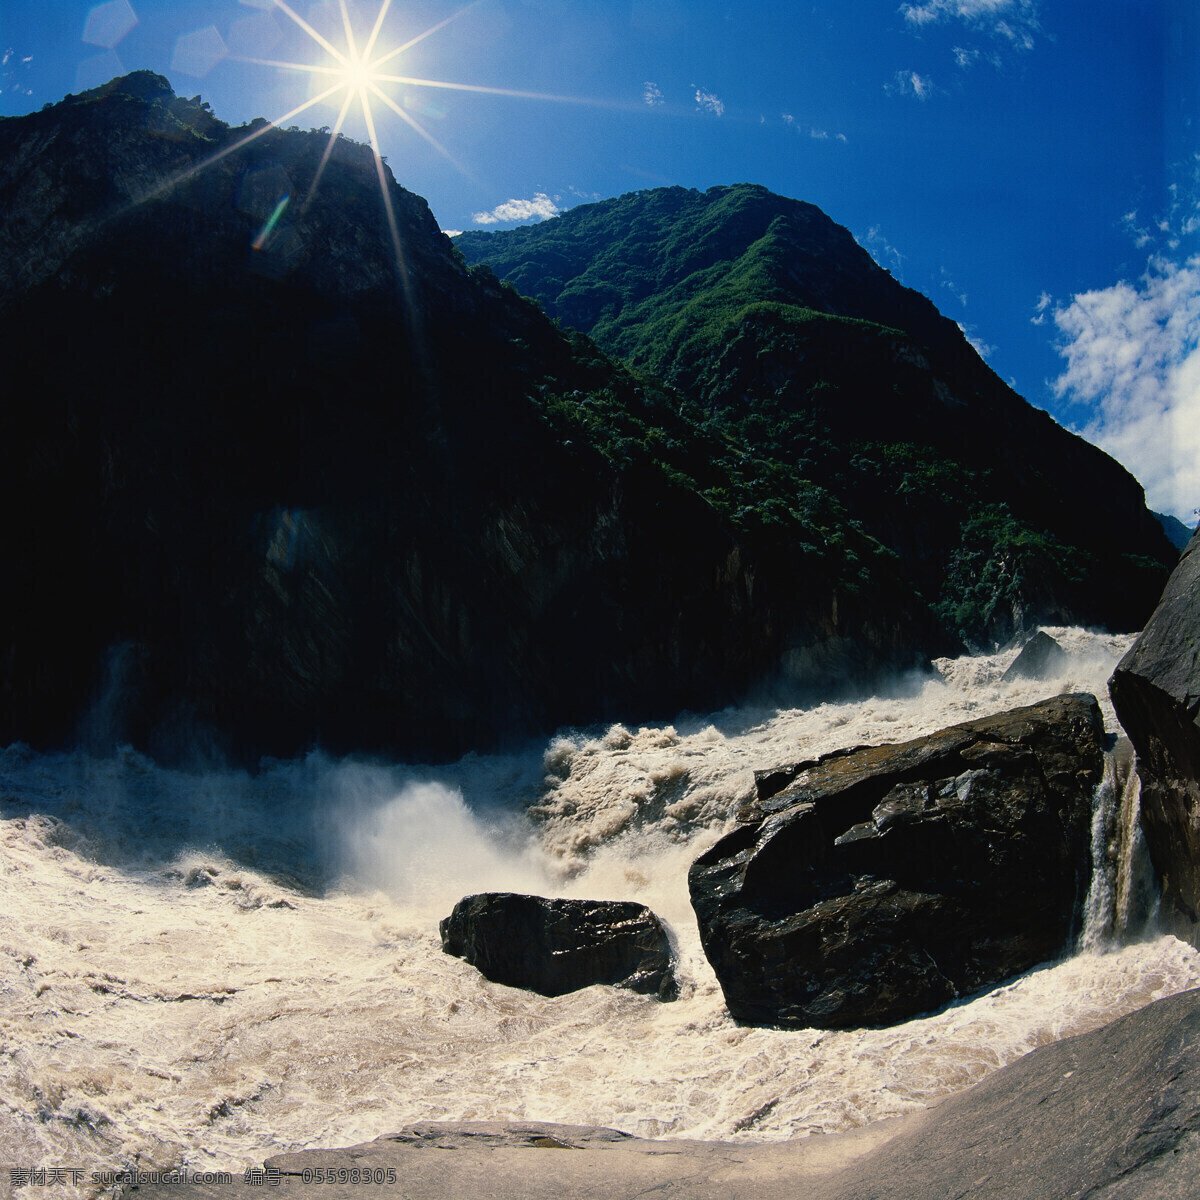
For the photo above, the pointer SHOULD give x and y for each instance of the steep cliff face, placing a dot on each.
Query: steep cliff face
(784, 334)
(276, 483)
(1156, 692)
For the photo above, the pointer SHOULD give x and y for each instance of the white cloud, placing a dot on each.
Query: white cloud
(1133, 357)
(537, 209)
(952, 287)
(1015, 20)
(652, 94)
(11, 63)
(1012, 24)
(909, 83)
(1141, 234)
(1181, 220)
(706, 101)
(879, 248)
(1039, 310)
(1020, 34)
(939, 10)
(818, 135)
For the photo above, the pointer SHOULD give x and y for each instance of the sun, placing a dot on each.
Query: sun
(357, 74)
(361, 72)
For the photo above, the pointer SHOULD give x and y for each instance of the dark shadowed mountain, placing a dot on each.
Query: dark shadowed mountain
(824, 377)
(267, 482)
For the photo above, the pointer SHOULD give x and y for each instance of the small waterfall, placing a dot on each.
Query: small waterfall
(1123, 897)
(1138, 893)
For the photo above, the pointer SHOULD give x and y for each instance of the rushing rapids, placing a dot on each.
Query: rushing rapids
(203, 968)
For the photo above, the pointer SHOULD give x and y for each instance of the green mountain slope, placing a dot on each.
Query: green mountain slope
(834, 398)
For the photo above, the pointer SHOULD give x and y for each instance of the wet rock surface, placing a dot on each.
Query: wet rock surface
(1040, 658)
(1112, 1114)
(555, 946)
(1156, 693)
(877, 883)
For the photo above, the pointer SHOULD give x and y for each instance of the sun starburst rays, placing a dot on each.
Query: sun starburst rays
(356, 72)
(357, 78)
(358, 66)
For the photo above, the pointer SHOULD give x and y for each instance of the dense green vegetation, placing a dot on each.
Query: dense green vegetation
(803, 388)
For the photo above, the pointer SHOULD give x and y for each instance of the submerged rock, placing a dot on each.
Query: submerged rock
(877, 883)
(555, 946)
(1040, 658)
(1156, 693)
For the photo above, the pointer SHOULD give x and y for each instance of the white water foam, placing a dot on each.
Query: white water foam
(203, 970)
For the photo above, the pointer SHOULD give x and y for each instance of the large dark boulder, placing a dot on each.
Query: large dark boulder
(873, 884)
(555, 946)
(1156, 693)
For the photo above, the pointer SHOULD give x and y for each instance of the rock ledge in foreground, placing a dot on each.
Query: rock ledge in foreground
(1113, 1114)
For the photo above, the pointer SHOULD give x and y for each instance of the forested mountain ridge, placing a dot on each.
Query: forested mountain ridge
(828, 378)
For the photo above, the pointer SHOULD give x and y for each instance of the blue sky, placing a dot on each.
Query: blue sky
(1031, 165)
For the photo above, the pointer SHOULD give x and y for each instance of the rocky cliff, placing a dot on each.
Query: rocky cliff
(279, 484)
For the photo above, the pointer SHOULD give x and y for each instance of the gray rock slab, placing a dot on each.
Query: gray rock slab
(1109, 1115)
(1114, 1113)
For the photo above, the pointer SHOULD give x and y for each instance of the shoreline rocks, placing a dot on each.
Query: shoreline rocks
(877, 883)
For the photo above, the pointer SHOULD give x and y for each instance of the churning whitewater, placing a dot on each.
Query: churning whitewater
(204, 969)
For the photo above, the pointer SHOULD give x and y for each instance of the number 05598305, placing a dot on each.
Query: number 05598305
(364, 1175)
